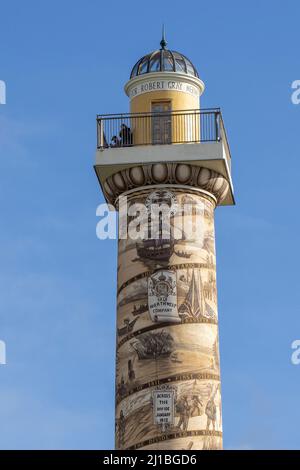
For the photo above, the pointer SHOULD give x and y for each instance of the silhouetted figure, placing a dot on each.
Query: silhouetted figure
(125, 135)
(115, 141)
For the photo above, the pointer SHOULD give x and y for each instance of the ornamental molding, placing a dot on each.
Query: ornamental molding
(170, 81)
(141, 176)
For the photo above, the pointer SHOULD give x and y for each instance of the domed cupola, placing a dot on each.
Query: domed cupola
(164, 60)
(164, 79)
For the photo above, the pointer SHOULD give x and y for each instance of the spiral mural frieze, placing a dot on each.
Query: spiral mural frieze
(168, 389)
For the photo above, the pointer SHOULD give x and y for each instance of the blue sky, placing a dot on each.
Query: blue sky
(65, 61)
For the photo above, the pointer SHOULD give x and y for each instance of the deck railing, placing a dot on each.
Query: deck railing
(172, 127)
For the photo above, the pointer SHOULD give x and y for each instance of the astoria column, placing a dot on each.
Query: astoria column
(166, 151)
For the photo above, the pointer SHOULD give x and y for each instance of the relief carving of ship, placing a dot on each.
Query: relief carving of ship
(156, 249)
(153, 345)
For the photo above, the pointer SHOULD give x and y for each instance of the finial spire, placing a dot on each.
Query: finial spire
(163, 41)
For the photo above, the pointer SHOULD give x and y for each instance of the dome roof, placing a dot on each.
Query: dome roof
(164, 60)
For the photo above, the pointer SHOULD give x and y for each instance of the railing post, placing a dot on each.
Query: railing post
(217, 125)
(100, 133)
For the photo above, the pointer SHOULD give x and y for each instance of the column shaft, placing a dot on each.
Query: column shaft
(168, 392)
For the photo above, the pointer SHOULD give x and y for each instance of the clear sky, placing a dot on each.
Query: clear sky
(65, 61)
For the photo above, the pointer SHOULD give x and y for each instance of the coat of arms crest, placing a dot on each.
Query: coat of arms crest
(162, 296)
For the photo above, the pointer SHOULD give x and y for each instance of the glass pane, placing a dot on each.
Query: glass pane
(160, 107)
(155, 64)
(168, 62)
(190, 68)
(180, 65)
(143, 67)
(134, 70)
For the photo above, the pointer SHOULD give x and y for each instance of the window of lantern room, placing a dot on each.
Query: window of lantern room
(161, 122)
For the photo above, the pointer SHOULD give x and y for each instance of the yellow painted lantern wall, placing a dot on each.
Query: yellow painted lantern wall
(178, 124)
(179, 101)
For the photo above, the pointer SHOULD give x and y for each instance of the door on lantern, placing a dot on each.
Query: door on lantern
(161, 123)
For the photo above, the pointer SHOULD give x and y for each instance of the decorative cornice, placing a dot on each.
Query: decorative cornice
(155, 77)
(165, 173)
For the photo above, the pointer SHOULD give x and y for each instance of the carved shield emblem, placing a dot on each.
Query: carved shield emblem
(162, 297)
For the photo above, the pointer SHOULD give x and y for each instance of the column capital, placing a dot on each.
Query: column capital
(165, 173)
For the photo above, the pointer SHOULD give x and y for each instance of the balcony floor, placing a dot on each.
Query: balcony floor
(210, 155)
